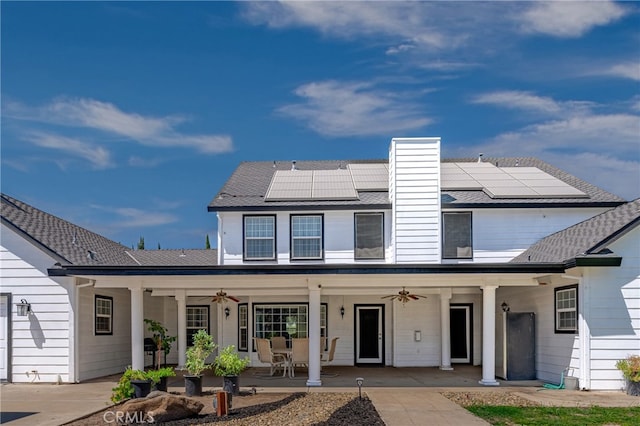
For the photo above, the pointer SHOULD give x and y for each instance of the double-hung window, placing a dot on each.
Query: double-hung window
(456, 236)
(197, 319)
(566, 308)
(369, 236)
(103, 315)
(306, 237)
(259, 237)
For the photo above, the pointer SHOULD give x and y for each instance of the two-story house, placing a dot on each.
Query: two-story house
(412, 260)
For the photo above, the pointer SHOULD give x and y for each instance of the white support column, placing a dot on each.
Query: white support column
(137, 328)
(489, 336)
(181, 298)
(314, 335)
(445, 329)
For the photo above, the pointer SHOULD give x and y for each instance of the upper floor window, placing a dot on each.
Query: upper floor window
(566, 308)
(259, 237)
(103, 315)
(369, 236)
(306, 237)
(456, 236)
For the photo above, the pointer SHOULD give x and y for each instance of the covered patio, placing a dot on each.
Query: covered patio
(345, 377)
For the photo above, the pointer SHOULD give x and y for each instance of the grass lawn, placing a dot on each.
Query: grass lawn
(565, 416)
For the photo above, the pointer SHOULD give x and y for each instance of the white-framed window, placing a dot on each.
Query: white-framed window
(288, 320)
(369, 236)
(306, 237)
(103, 315)
(197, 319)
(457, 236)
(260, 237)
(566, 308)
(243, 327)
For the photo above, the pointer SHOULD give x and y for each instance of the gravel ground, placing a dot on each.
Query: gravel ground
(467, 399)
(295, 409)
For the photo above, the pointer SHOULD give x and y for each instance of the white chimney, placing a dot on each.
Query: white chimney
(414, 192)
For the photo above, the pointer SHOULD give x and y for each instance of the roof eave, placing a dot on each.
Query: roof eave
(594, 260)
(355, 269)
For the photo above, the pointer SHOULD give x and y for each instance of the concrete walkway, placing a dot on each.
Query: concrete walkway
(411, 401)
(405, 407)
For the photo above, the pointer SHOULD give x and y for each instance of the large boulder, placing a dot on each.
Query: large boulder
(160, 407)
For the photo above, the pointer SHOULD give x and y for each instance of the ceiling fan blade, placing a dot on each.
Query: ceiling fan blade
(235, 299)
(389, 296)
(413, 296)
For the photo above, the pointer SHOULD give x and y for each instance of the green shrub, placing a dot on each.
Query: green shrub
(630, 367)
(197, 354)
(156, 375)
(124, 389)
(229, 363)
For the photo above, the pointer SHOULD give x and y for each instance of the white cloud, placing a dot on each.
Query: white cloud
(130, 217)
(630, 70)
(335, 108)
(108, 118)
(601, 148)
(518, 100)
(569, 18)
(99, 157)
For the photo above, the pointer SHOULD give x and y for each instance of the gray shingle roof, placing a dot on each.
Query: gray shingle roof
(248, 185)
(69, 243)
(73, 245)
(584, 238)
(187, 257)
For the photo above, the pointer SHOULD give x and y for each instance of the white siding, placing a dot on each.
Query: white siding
(40, 341)
(613, 313)
(414, 184)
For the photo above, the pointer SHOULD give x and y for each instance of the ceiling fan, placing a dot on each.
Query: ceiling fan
(222, 297)
(403, 296)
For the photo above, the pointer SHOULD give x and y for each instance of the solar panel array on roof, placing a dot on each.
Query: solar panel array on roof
(505, 182)
(301, 185)
(370, 177)
(344, 184)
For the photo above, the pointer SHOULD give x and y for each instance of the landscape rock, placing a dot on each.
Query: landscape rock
(160, 407)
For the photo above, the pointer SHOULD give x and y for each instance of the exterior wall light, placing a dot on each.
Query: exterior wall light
(24, 308)
(227, 312)
(505, 307)
(342, 311)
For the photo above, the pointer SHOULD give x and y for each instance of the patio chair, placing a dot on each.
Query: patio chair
(299, 354)
(265, 355)
(278, 342)
(332, 350)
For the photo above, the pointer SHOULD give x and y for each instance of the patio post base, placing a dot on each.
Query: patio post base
(446, 368)
(314, 382)
(489, 382)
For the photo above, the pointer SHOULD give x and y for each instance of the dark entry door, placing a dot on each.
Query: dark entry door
(369, 342)
(460, 327)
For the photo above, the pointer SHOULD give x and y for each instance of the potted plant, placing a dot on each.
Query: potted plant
(229, 365)
(161, 339)
(195, 363)
(132, 384)
(630, 367)
(159, 378)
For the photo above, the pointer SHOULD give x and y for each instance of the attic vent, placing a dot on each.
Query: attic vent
(293, 165)
(480, 157)
(91, 254)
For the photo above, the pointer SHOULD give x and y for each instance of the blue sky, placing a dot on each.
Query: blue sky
(127, 117)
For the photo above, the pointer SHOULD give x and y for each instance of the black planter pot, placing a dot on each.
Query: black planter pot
(193, 385)
(231, 385)
(161, 385)
(141, 388)
(633, 388)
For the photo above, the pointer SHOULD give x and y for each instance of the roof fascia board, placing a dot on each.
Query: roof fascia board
(516, 205)
(592, 260)
(615, 236)
(37, 243)
(504, 268)
(314, 207)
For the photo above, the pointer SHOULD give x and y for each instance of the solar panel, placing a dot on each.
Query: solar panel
(370, 177)
(333, 185)
(289, 185)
